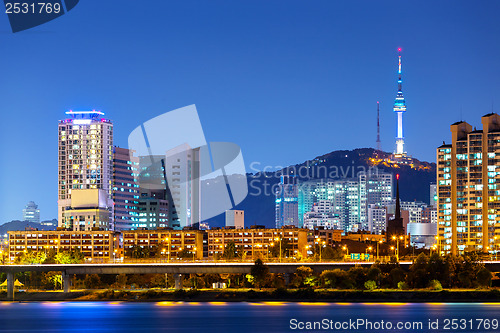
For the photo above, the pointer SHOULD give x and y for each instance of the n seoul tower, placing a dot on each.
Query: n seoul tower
(400, 108)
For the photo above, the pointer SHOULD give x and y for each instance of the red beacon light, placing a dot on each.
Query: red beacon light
(397, 176)
(399, 49)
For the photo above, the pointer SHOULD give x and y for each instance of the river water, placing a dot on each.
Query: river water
(248, 317)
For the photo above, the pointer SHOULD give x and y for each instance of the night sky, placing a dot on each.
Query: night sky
(286, 80)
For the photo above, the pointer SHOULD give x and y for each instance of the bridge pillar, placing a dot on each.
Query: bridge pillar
(178, 281)
(287, 276)
(10, 285)
(66, 282)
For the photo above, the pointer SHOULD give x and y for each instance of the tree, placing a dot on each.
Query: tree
(230, 251)
(304, 276)
(71, 257)
(260, 272)
(484, 277)
(31, 257)
(121, 280)
(92, 281)
(336, 278)
(138, 252)
(370, 285)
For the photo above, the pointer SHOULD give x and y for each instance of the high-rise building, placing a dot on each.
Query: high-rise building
(175, 179)
(377, 219)
(287, 208)
(322, 215)
(235, 219)
(433, 195)
(350, 198)
(182, 171)
(125, 189)
(468, 188)
(31, 213)
(85, 163)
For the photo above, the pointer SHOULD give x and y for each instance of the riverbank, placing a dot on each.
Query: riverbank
(239, 295)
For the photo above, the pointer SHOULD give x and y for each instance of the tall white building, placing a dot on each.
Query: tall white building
(85, 162)
(31, 213)
(322, 215)
(235, 219)
(182, 170)
(377, 219)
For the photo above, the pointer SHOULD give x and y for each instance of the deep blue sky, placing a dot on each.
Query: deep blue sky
(286, 80)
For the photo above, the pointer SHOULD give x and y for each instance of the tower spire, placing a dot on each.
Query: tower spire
(379, 146)
(399, 108)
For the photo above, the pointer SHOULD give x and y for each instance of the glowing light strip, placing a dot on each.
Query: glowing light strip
(84, 112)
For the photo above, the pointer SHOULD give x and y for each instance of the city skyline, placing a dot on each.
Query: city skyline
(339, 74)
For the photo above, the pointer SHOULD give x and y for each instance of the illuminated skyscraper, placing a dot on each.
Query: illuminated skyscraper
(400, 108)
(468, 188)
(31, 213)
(287, 202)
(85, 163)
(125, 188)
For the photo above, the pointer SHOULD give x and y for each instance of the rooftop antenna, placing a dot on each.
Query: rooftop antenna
(379, 146)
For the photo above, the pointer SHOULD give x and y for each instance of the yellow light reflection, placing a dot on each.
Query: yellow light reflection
(218, 303)
(314, 303)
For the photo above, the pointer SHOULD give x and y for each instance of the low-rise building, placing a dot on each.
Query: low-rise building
(164, 241)
(255, 241)
(320, 235)
(96, 246)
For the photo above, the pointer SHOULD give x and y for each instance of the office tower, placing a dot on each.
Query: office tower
(182, 170)
(235, 219)
(375, 188)
(31, 213)
(306, 198)
(347, 204)
(433, 195)
(322, 215)
(125, 189)
(152, 211)
(468, 188)
(400, 108)
(85, 163)
(377, 219)
(175, 178)
(287, 212)
(429, 215)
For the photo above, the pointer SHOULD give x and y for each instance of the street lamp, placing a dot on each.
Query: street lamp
(279, 239)
(397, 245)
(346, 249)
(369, 249)
(194, 253)
(392, 248)
(114, 256)
(495, 247)
(168, 252)
(379, 242)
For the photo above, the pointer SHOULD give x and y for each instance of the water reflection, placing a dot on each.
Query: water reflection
(219, 316)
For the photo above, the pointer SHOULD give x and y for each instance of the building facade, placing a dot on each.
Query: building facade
(165, 243)
(31, 213)
(235, 219)
(468, 189)
(287, 204)
(258, 242)
(85, 160)
(96, 246)
(125, 189)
